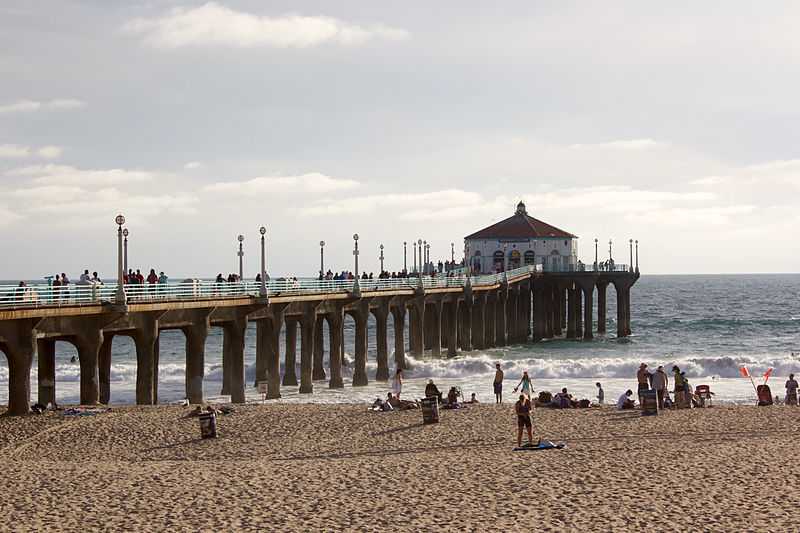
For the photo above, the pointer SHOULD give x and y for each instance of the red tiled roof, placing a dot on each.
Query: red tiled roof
(520, 226)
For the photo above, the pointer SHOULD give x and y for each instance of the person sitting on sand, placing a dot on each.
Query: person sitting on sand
(431, 391)
(625, 402)
(791, 390)
(393, 401)
(523, 411)
(526, 384)
(562, 400)
(473, 399)
(452, 397)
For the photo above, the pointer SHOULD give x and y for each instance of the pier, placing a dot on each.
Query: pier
(446, 315)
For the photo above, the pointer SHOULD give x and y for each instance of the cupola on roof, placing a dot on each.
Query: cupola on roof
(521, 226)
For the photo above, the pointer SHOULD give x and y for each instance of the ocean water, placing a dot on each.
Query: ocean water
(707, 325)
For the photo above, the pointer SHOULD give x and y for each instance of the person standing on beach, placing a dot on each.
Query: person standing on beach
(498, 384)
(660, 384)
(643, 377)
(526, 384)
(678, 382)
(791, 391)
(601, 396)
(397, 383)
(523, 411)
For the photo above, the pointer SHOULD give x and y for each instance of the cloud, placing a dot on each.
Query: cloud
(215, 25)
(50, 152)
(709, 181)
(64, 175)
(192, 165)
(16, 151)
(629, 144)
(305, 183)
(30, 106)
(445, 204)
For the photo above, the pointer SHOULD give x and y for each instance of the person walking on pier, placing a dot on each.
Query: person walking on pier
(397, 383)
(498, 384)
(526, 384)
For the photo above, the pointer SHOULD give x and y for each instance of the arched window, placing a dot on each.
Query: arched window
(498, 261)
(530, 257)
(514, 259)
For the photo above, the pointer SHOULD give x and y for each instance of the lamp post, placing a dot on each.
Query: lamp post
(322, 257)
(262, 288)
(630, 268)
(355, 251)
(125, 250)
(467, 267)
(610, 259)
(419, 247)
(596, 266)
(381, 258)
(424, 260)
(452, 252)
(637, 255)
(415, 256)
(119, 297)
(240, 253)
(405, 256)
(356, 287)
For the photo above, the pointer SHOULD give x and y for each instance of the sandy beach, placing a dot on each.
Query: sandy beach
(311, 467)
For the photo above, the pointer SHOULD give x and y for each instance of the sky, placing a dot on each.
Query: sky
(675, 124)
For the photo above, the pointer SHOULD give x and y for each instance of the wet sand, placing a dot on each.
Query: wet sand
(340, 467)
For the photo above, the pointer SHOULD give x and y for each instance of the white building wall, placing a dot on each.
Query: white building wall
(565, 257)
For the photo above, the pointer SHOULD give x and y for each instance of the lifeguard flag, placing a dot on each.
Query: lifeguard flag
(744, 372)
(768, 373)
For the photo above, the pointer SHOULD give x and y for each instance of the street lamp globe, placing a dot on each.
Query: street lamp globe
(419, 241)
(262, 230)
(355, 236)
(381, 247)
(322, 243)
(240, 238)
(125, 232)
(120, 220)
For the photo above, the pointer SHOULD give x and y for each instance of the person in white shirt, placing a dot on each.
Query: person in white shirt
(624, 401)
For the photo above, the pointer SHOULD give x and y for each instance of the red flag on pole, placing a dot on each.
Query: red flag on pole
(767, 374)
(745, 373)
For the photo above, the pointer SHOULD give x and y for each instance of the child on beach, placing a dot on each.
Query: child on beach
(601, 396)
(523, 411)
(526, 384)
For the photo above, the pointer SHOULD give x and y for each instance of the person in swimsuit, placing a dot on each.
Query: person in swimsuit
(397, 383)
(523, 411)
(526, 384)
(498, 384)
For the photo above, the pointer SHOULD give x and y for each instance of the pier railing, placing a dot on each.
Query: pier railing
(42, 295)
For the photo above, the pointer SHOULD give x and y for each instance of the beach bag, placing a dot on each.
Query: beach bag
(583, 404)
(764, 395)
